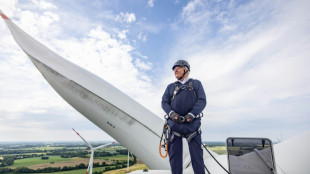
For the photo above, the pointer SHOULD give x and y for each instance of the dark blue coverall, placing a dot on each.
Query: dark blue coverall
(185, 102)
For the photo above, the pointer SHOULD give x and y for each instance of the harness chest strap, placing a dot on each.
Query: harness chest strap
(177, 89)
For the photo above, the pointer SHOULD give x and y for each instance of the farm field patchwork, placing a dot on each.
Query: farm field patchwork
(70, 158)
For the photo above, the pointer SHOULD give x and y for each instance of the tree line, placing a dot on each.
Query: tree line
(117, 165)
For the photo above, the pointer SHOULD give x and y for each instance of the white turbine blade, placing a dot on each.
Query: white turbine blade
(91, 147)
(103, 146)
(106, 106)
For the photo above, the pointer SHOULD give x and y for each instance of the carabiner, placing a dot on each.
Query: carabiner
(163, 145)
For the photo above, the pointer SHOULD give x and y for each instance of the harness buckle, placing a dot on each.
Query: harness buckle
(200, 115)
(182, 118)
(166, 117)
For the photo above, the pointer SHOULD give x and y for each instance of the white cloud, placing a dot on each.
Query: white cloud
(8, 7)
(191, 6)
(143, 65)
(34, 133)
(150, 3)
(253, 65)
(106, 57)
(43, 5)
(250, 73)
(227, 28)
(151, 27)
(126, 17)
(122, 34)
(257, 62)
(139, 55)
(36, 23)
(22, 83)
(25, 92)
(142, 37)
(18, 76)
(190, 12)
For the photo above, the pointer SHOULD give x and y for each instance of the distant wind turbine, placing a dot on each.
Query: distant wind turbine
(128, 160)
(90, 165)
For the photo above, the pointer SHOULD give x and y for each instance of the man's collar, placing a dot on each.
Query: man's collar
(184, 81)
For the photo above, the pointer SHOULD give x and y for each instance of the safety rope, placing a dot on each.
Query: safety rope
(164, 145)
(215, 160)
(207, 169)
(166, 149)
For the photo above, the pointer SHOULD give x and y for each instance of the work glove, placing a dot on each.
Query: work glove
(189, 118)
(175, 117)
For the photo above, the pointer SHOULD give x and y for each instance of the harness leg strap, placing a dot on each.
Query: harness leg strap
(190, 136)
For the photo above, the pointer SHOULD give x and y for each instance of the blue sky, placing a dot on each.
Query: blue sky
(252, 58)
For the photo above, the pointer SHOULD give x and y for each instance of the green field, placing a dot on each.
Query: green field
(112, 149)
(221, 150)
(131, 168)
(81, 171)
(116, 157)
(38, 160)
(118, 153)
(99, 169)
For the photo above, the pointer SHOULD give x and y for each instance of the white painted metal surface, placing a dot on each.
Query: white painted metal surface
(292, 156)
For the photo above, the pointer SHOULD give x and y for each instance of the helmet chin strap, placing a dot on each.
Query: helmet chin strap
(183, 74)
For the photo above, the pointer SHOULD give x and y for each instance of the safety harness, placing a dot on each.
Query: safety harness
(167, 130)
(188, 137)
(177, 88)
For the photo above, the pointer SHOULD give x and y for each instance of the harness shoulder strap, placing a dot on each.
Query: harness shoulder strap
(190, 84)
(176, 90)
(191, 88)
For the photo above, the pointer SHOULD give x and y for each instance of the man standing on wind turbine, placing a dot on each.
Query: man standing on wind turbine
(184, 101)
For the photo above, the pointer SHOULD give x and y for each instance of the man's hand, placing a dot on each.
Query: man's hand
(189, 118)
(175, 117)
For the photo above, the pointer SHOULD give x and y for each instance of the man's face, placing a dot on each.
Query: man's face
(178, 71)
